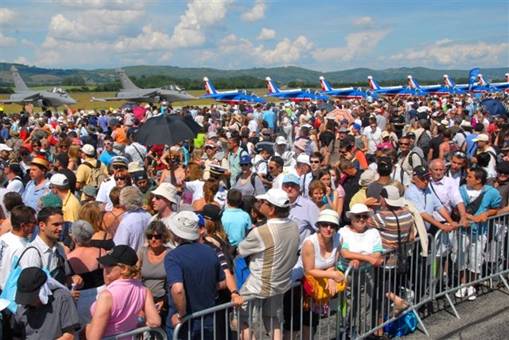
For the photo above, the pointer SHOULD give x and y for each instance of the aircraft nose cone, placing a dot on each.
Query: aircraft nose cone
(71, 101)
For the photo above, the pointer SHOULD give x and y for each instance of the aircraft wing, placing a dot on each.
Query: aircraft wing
(221, 96)
(95, 99)
(30, 98)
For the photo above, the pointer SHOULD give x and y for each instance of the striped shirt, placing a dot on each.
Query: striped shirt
(385, 221)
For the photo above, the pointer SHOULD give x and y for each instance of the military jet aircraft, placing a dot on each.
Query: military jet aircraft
(294, 95)
(23, 95)
(133, 93)
(229, 97)
(343, 93)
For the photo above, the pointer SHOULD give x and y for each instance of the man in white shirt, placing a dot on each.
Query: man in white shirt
(12, 243)
(13, 173)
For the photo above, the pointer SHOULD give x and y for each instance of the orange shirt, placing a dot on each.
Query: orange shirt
(120, 136)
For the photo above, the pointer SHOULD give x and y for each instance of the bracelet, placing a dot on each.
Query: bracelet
(234, 292)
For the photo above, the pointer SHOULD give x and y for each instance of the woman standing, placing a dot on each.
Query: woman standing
(248, 183)
(83, 262)
(151, 264)
(92, 213)
(118, 306)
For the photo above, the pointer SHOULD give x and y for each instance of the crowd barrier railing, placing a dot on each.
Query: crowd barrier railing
(405, 282)
(142, 333)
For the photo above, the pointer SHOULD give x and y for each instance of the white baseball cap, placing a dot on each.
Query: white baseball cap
(304, 159)
(482, 138)
(184, 224)
(88, 149)
(277, 197)
(168, 191)
(59, 180)
(4, 147)
(392, 196)
(281, 140)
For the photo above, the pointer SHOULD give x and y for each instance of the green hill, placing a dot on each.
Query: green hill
(191, 78)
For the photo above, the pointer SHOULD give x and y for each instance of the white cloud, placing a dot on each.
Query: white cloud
(21, 60)
(90, 24)
(448, 53)
(256, 13)
(6, 15)
(6, 41)
(198, 16)
(357, 44)
(363, 21)
(266, 34)
(112, 4)
(148, 40)
(285, 52)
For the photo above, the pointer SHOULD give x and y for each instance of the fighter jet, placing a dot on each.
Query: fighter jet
(294, 95)
(343, 93)
(504, 86)
(229, 97)
(407, 91)
(23, 95)
(133, 93)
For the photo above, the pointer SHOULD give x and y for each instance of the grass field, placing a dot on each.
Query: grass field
(85, 102)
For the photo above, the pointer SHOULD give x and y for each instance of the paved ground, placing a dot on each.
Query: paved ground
(485, 318)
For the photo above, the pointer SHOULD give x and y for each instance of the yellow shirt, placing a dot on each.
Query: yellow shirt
(70, 207)
(84, 171)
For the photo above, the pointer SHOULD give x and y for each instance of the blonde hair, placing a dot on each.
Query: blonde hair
(92, 213)
(129, 272)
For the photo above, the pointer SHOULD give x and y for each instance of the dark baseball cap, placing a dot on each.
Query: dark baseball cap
(211, 211)
(120, 254)
(421, 171)
(245, 159)
(503, 167)
(29, 283)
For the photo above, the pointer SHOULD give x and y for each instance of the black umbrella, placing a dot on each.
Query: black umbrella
(494, 107)
(195, 127)
(163, 129)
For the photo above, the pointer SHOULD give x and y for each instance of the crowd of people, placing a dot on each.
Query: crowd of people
(101, 234)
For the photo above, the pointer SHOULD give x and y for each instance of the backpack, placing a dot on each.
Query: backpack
(96, 175)
(228, 251)
(423, 141)
(410, 159)
(252, 178)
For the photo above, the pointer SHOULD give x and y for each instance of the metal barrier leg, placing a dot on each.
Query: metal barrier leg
(419, 320)
(504, 281)
(452, 306)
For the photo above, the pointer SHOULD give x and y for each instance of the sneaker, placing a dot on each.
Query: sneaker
(471, 293)
(461, 293)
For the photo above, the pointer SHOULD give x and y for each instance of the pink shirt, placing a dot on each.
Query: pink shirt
(128, 299)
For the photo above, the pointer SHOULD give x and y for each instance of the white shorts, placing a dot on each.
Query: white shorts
(468, 251)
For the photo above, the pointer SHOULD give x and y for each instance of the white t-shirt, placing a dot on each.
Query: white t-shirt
(15, 186)
(10, 246)
(103, 195)
(368, 242)
(196, 187)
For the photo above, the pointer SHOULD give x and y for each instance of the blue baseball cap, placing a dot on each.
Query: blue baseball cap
(245, 160)
(291, 178)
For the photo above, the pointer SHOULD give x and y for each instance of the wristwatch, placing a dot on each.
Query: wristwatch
(234, 292)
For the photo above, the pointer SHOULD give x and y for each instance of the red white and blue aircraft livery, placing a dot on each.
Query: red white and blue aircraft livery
(343, 93)
(230, 97)
(393, 91)
(294, 95)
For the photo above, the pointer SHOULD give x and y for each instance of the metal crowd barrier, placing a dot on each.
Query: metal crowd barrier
(375, 297)
(143, 333)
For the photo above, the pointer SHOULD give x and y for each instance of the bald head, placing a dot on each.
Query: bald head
(437, 169)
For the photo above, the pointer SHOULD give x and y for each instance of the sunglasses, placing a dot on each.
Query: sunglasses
(328, 225)
(361, 217)
(404, 143)
(315, 162)
(116, 167)
(154, 236)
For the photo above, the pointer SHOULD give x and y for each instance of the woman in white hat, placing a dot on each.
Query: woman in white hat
(319, 255)
(360, 245)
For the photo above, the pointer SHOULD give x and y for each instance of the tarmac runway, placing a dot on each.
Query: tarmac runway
(485, 318)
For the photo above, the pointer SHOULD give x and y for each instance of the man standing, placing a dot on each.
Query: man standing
(108, 152)
(46, 309)
(272, 248)
(45, 251)
(408, 159)
(164, 201)
(14, 176)
(457, 167)
(234, 154)
(88, 173)
(303, 169)
(119, 166)
(276, 165)
(193, 274)
(38, 186)
(135, 151)
(59, 185)
(13, 242)
(482, 201)
(302, 210)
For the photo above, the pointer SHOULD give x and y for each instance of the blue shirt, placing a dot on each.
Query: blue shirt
(106, 157)
(305, 213)
(270, 117)
(32, 195)
(103, 121)
(197, 267)
(236, 222)
(490, 200)
(471, 145)
(423, 200)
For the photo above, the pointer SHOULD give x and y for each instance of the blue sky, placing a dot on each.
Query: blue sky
(230, 34)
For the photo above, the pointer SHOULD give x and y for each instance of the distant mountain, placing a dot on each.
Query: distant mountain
(152, 75)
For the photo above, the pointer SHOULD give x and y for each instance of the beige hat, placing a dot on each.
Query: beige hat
(88, 149)
(482, 138)
(358, 209)
(328, 216)
(135, 167)
(392, 196)
(168, 191)
(59, 180)
(277, 197)
(185, 225)
(367, 177)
